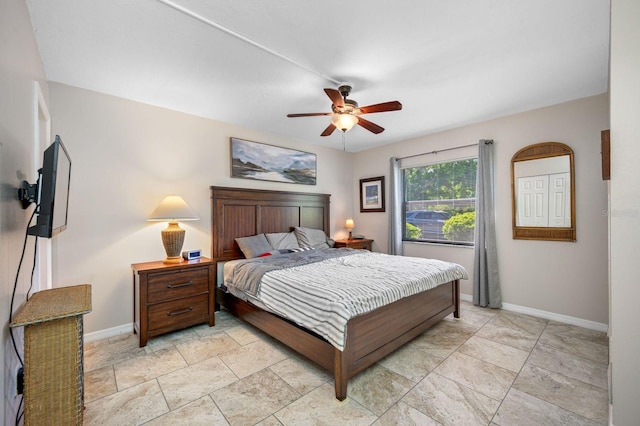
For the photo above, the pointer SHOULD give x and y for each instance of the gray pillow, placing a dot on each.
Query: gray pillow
(254, 246)
(282, 240)
(315, 238)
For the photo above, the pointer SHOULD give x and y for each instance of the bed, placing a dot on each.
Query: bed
(238, 212)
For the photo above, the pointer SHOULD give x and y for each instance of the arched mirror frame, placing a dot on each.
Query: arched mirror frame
(536, 152)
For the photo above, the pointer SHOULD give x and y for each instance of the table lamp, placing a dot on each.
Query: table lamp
(349, 225)
(172, 209)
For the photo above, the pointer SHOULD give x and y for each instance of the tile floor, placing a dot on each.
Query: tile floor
(490, 367)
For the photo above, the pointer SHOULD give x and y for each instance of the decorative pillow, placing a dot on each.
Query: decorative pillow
(282, 240)
(315, 238)
(254, 246)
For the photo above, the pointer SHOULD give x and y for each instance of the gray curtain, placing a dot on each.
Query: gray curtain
(486, 282)
(395, 208)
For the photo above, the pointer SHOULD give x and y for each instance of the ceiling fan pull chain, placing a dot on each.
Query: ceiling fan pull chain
(344, 146)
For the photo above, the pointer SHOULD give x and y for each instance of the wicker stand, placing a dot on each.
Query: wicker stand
(53, 355)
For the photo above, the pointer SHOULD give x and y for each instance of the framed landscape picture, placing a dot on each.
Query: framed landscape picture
(259, 161)
(372, 194)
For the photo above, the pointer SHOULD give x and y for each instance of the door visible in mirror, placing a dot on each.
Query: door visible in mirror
(543, 194)
(543, 191)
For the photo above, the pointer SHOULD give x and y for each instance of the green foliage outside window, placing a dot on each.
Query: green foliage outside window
(460, 227)
(413, 232)
(448, 187)
(441, 181)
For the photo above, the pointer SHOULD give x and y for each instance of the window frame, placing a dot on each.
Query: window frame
(405, 203)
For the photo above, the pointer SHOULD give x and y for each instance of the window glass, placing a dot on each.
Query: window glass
(440, 202)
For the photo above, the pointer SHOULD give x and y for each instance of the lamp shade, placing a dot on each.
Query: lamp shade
(349, 224)
(172, 209)
(344, 122)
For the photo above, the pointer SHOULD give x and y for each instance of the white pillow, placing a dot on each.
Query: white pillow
(282, 240)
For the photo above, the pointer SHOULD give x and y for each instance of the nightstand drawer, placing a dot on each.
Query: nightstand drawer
(364, 245)
(360, 244)
(174, 285)
(179, 313)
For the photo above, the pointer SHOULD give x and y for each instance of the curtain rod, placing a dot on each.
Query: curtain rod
(443, 150)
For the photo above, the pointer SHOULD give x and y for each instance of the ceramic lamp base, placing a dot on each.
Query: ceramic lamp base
(172, 239)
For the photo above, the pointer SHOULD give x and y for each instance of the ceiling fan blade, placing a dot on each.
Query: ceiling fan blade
(383, 107)
(309, 114)
(328, 130)
(372, 127)
(335, 97)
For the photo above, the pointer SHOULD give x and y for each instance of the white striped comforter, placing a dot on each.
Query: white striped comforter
(323, 296)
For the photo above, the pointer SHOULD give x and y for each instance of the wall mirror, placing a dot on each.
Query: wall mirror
(543, 193)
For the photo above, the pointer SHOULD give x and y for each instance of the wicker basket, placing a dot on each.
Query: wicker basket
(53, 355)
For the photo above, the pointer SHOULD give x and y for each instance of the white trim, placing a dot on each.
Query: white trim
(109, 332)
(592, 325)
(40, 107)
(41, 119)
(244, 38)
(566, 319)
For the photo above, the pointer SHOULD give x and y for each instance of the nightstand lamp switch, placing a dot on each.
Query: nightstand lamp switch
(349, 224)
(173, 209)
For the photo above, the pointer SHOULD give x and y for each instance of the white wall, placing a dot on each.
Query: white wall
(557, 277)
(20, 66)
(126, 156)
(625, 211)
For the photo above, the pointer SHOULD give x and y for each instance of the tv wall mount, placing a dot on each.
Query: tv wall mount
(28, 192)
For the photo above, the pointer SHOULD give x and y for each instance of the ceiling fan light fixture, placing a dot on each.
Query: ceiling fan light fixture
(345, 113)
(344, 122)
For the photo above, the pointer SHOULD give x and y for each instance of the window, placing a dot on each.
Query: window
(440, 202)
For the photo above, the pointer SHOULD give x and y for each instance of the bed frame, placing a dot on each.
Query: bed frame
(237, 212)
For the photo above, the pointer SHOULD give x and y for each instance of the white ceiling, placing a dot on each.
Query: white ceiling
(251, 63)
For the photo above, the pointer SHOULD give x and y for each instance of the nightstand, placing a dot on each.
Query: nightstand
(168, 297)
(355, 244)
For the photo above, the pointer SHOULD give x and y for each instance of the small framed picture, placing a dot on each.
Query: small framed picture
(372, 194)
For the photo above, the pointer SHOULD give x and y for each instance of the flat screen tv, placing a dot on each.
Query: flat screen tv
(53, 199)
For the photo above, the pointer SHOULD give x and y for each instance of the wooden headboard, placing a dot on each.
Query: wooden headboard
(239, 212)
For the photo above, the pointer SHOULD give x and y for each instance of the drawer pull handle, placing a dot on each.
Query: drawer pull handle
(183, 311)
(180, 285)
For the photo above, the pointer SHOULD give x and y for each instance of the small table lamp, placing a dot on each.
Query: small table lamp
(349, 225)
(172, 209)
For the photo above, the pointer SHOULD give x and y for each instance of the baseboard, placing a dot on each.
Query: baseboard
(592, 325)
(565, 319)
(109, 332)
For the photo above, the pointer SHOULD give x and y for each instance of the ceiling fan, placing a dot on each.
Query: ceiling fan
(346, 112)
